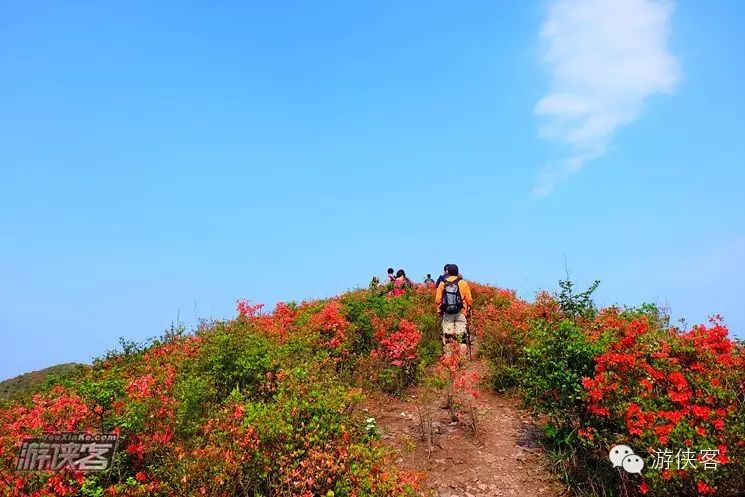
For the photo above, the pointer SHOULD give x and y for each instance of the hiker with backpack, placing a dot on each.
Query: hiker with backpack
(453, 299)
(400, 284)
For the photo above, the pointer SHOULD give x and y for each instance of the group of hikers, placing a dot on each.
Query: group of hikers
(452, 298)
(398, 281)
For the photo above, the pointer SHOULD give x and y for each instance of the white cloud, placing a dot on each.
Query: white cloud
(604, 58)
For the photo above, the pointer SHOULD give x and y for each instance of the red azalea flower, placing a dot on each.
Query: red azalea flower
(703, 488)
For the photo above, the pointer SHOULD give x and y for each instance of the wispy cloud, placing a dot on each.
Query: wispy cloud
(605, 57)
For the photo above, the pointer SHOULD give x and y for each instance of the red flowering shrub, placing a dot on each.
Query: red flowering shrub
(662, 389)
(247, 310)
(390, 341)
(331, 324)
(604, 377)
(399, 348)
(56, 410)
(277, 324)
(398, 351)
(461, 386)
(240, 408)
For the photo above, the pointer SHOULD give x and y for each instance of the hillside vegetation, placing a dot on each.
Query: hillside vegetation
(17, 387)
(268, 404)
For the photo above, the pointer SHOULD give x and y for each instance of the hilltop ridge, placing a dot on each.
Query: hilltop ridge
(302, 401)
(22, 384)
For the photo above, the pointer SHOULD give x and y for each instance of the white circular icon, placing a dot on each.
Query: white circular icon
(633, 463)
(617, 453)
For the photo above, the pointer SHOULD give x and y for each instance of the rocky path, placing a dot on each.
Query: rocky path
(503, 459)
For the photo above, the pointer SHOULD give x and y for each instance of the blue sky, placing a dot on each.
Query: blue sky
(157, 162)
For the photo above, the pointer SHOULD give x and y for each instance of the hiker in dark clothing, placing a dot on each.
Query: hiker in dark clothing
(428, 281)
(442, 277)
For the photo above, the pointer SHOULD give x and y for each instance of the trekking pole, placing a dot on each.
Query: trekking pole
(468, 334)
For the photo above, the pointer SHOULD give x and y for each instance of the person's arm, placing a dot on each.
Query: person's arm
(438, 296)
(465, 291)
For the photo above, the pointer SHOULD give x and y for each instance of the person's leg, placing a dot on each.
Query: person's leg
(459, 326)
(448, 328)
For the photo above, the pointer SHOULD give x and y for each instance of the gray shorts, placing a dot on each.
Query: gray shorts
(454, 325)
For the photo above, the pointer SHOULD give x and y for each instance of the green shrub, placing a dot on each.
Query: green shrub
(193, 393)
(430, 347)
(558, 357)
(238, 358)
(576, 305)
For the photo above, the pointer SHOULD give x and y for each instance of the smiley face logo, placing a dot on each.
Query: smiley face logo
(617, 454)
(633, 463)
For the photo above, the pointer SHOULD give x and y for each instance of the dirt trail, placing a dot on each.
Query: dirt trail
(502, 460)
